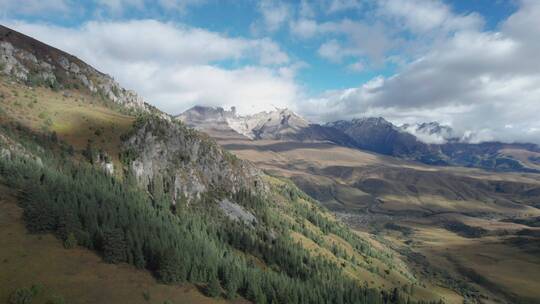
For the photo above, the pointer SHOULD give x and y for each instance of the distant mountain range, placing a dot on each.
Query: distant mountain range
(430, 143)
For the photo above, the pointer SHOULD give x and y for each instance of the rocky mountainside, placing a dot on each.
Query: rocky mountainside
(35, 63)
(381, 136)
(435, 144)
(280, 124)
(185, 160)
(208, 118)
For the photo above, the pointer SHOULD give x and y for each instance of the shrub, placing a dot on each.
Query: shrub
(36, 289)
(146, 295)
(214, 289)
(21, 296)
(70, 242)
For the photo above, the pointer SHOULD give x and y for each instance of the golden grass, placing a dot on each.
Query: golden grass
(506, 266)
(76, 118)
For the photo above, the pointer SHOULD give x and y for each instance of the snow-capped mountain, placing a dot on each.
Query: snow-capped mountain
(429, 143)
(280, 124)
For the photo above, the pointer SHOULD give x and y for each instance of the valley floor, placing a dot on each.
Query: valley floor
(369, 191)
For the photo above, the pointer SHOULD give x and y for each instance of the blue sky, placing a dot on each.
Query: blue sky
(239, 18)
(406, 60)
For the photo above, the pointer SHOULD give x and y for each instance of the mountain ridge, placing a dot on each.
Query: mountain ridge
(376, 134)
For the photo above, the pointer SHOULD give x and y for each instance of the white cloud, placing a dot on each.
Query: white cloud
(179, 5)
(421, 16)
(332, 51)
(304, 28)
(150, 40)
(172, 65)
(275, 13)
(476, 81)
(341, 5)
(391, 30)
(250, 89)
(348, 38)
(306, 9)
(360, 39)
(119, 7)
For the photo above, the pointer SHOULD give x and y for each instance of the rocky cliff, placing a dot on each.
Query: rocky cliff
(35, 63)
(187, 161)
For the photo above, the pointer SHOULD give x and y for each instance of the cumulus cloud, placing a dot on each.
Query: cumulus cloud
(390, 30)
(177, 66)
(477, 81)
(274, 14)
(341, 5)
(118, 7)
(422, 16)
(348, 38)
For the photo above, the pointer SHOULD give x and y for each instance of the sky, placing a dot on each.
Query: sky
(471, 64)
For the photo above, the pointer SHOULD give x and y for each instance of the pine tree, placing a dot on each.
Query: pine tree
(88, 152)
(172, 268)
(114, 246)
(214, 289)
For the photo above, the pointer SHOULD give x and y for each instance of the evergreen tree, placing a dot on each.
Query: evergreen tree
(172, 268)
(114, 246)
(214, 289)
(88, 152)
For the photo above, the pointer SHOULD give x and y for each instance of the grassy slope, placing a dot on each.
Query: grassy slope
(332, 172)
(75, 117)
(398, 274)
(505, 269)
(80, 275)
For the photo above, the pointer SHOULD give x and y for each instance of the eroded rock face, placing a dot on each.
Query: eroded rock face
(278, 124)
(16, 62)
(30, 61)
(189, 162)
(236, 212)
(10, 148)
